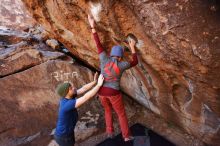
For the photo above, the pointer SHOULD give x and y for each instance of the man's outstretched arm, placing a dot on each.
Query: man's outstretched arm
(88, 86)
(80, 101)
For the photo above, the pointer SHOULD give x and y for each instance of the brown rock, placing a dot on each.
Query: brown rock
(53, 43)
(19, 51)
(178, 74)
(28, 100)
(13, 14)
(29, 74)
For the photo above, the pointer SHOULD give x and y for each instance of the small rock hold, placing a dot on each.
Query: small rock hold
(53, 43)
(89, 113)
(3, 65)
(213, 8)
(205, 33)
(44, 35)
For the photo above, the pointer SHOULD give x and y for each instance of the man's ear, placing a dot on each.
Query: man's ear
(68, 92)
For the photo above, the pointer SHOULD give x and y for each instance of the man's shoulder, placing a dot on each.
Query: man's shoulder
(64, 101)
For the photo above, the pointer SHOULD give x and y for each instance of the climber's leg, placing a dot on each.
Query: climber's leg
(118, 106)
(108, 114)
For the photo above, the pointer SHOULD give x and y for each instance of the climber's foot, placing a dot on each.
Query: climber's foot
(129, 138)
(110, 135)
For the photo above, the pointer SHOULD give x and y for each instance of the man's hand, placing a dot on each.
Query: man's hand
(100, 80)
(80, 101)
(88, 86)
(96, 77)
(91, 21)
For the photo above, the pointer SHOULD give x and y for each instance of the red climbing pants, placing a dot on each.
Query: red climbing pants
(116, 103)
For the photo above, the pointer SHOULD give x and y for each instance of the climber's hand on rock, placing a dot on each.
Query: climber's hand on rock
(91, 21)
(132, 45)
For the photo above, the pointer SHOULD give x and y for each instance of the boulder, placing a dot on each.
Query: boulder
(29, 74)
(28, 100)
(53, 43)
(20, 51)
(178, 47)
(13, 14)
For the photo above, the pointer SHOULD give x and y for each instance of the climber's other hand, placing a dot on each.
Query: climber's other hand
(132, 43)
(91, 20)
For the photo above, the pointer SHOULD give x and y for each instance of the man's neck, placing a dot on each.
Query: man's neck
(67, 97)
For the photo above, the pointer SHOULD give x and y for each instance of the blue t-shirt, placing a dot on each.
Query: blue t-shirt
(67, 117)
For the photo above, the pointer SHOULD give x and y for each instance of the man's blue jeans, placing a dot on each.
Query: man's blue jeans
(65, 141)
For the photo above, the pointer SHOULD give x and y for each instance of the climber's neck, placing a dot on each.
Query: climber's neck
(118, 58)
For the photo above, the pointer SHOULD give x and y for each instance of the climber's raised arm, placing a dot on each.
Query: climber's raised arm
(95, 35)
(134, 60)
(102, 54)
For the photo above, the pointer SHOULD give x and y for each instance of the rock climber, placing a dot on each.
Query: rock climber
(68, 115)
(112, 68)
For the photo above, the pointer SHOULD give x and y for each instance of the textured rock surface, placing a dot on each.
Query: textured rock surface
(30, 70)
(13, 14)
(178, 74)
(20, 50)
(29, 73)
(29, 103)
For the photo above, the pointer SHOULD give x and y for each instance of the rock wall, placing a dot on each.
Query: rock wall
(29, 74)
(13, 14)
(178, 46)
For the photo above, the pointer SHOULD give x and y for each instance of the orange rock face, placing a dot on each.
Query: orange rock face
(178, 46)
(13, 14)
(29, 73)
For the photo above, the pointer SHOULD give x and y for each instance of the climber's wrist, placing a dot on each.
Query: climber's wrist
(93, 29)
(132, 49)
